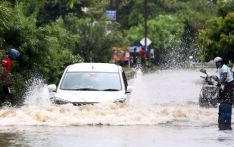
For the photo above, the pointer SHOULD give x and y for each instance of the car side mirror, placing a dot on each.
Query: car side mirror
(129, 89)
(52, 87)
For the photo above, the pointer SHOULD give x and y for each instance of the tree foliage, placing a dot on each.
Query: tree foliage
(190, 14)
(6, 14)
(50, 34)
(217, 39)
(165, 32)
(225, 6)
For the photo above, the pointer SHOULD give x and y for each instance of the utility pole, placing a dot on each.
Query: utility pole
(111, 4)
(145, 25)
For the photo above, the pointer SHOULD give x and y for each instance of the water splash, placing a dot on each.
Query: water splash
(108, 114)
(140, 91)
(37, 93)
(153, 102)
(166, 87)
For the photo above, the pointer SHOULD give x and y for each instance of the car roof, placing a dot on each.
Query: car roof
(93, 67)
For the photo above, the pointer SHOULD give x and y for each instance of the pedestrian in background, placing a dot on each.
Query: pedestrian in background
(6, 74)
(6, 83)
(152, 57)
(143, 55)
(233, 71)
(134, 57)
(6, 80)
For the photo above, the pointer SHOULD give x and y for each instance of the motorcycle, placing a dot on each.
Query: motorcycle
(210, 92)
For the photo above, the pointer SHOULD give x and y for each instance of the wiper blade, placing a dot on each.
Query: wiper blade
(87, 89)
(110, 90)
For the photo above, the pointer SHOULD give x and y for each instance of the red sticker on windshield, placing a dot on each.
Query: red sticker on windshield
(92, 74)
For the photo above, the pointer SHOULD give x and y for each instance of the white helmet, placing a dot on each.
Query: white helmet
(218, 59)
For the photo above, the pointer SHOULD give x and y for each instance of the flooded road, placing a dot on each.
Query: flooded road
(163, 111)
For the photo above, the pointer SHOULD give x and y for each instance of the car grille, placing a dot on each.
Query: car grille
(83, 103)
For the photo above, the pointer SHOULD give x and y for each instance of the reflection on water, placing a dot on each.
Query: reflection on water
(163, 111)
(130, 136)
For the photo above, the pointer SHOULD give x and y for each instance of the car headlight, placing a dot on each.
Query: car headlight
(122, 100)
(59, 101)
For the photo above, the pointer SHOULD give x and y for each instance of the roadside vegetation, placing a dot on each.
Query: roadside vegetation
(52, 34)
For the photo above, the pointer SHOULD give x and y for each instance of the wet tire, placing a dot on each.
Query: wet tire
(203, 102)
(214, 103)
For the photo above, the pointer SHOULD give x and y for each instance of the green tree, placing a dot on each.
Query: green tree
(217, 39)
(50, 10)
(43, 49)
(193, 14)
(95, 42)
(165, 33)
(6, 15)
(225, 6)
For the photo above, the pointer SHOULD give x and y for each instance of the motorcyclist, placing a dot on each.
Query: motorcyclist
(224, 76)
(233, 71)
(6, 82)
(6, 74)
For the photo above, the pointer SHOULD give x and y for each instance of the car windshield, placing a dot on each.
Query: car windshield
(91, 81)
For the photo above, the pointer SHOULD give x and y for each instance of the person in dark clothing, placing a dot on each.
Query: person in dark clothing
(134, 57)
(233, 71)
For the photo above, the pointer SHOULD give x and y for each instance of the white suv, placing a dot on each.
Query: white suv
(90, 83)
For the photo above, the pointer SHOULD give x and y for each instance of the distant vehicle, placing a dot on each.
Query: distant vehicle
(210, 93)
(90, 83)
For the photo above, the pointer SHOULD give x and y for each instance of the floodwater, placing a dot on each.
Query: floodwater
(163, 112)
